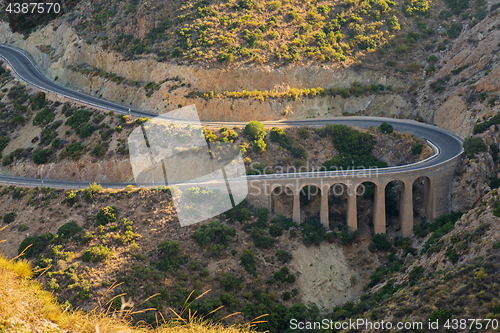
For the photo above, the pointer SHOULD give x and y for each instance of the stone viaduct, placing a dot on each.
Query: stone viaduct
(437, 180)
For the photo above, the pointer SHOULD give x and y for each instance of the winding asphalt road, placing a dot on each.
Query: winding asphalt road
(447, 144)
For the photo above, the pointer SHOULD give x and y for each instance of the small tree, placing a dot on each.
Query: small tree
(41, 156)
(91, 190)
(107, 215)
(473, 145)
(379, 242)
(68, 230)
(417, 148)
(256, 130)
(97, 253)
(247, 260)
(386, 128)
(9, 218)
(259, 146)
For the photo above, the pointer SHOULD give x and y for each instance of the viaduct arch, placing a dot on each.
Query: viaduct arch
(437, 179)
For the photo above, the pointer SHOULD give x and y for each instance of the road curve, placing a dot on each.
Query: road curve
(447, 143)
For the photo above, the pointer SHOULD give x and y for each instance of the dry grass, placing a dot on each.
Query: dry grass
(26, 307)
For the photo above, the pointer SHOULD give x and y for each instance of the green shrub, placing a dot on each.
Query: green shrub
(259, 146)
(97, 253)
(256, 130)
(39, 99)
(432, 59)
(443, 225)
(473, 145)
(283, 256)
(260, 240)
(298, 150)
(454, 30)
(457, 6)
(312, 230)
(91, 190)
(44, 117)
(452, 255)
(169, 259)
(279, 136)
(214, 232)
(379, 243)
(386, 128)
(107, 215)
(304, 133)
(169, 248)
(247, 260)
(71, 198)
(417, 148)
(281, 274)
(68, 230)
(78, 118)
(9, 218)
(351, 142)
(41, 156)
(239, 213)
(38, 244)
(481, 127)
(415, 274)
(229, 282)
(4, 141)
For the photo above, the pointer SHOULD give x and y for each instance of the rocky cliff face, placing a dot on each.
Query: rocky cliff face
(475, 172)
(466, 85)
(64, 49)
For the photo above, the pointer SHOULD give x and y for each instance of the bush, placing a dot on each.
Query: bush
(91, 190)
(256, 130)
(379, 243)
(214, 232)
(298, 150)
(386, 128)
(281, 274)
(71, 198)
(39, 99)
(260, 240)
(41, 156)
(97, 253)
(351, 142)
(432, 59)
(304, 133)
(229, 282)
(168, 256)
(454, 30)
(283, 256)
(480, 128)
(239, 213)
(78, 118)
(169, 248)
(417, 148)
(9, 218)
(68, 230)
(457, 6)
(4, 141)
(415, 274)
(312, 230)
(279, 136)
(38, 244)
(44, 117)
(107, 215)
(473, 145)
(74, 147)
(247, 260)
(259, 146)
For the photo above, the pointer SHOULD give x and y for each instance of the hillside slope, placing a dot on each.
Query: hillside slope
(26, 307)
